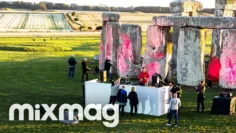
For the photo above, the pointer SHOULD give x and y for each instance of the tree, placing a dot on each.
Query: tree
(43, 6)
(76, 19)
(35, 7)
(90, 28)
(50, 5)
(99, 28)
(82, 27)
(73, 14)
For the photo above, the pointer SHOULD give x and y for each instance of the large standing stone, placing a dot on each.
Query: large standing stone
(115, 41)
(214, 65)
(228, 60)
(155, 58)
(176, 30)
(129, 51)
(190, 57)
(181, 8)
(109, 39)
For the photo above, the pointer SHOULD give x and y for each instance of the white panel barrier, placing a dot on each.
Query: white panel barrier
(152, 101)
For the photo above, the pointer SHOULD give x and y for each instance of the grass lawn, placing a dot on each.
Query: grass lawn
(36, 72)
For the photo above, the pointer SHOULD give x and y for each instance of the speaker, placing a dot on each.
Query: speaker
(226, 94)
(102, 76)
(122, 81)
(154, 80)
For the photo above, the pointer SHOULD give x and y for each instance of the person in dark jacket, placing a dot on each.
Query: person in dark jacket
(122, 99)
(133, 98)
(72, 62)
(176, 89)
(200, 97)
(107, 67)
(85, 69)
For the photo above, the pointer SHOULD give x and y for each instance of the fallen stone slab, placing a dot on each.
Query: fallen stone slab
(198, 22)
(228, 59)
(129, 51)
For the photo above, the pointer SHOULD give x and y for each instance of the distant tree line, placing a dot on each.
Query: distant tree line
(62, 6)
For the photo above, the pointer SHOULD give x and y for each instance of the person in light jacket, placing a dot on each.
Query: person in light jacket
(175, 103)
(114, 89)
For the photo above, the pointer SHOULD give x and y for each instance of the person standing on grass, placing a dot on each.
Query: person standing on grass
(107, 67)
(175, 104)
(179, 94)
(72, 62)
(133, 98)
(85, 69)
(171, 87)
(200, 96)
(114, 89)
(122, 99)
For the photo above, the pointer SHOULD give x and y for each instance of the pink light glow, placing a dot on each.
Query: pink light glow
(228, 71)
(153, 68)
(124, 54)
(154, 50)
(213, 71)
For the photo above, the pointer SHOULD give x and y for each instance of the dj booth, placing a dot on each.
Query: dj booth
(152, 101)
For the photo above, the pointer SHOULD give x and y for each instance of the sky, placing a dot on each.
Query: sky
(125, 3)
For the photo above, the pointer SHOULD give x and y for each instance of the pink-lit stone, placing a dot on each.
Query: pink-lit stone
(129, 51)
(228, 60)
(155, 52)
(213, 71)
(109, 43)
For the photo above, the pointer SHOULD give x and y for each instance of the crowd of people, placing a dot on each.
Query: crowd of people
(119, 94)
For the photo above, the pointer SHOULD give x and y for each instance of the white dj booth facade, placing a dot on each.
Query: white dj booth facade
(152, 101)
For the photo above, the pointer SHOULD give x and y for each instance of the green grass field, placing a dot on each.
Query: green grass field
(36, 72)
